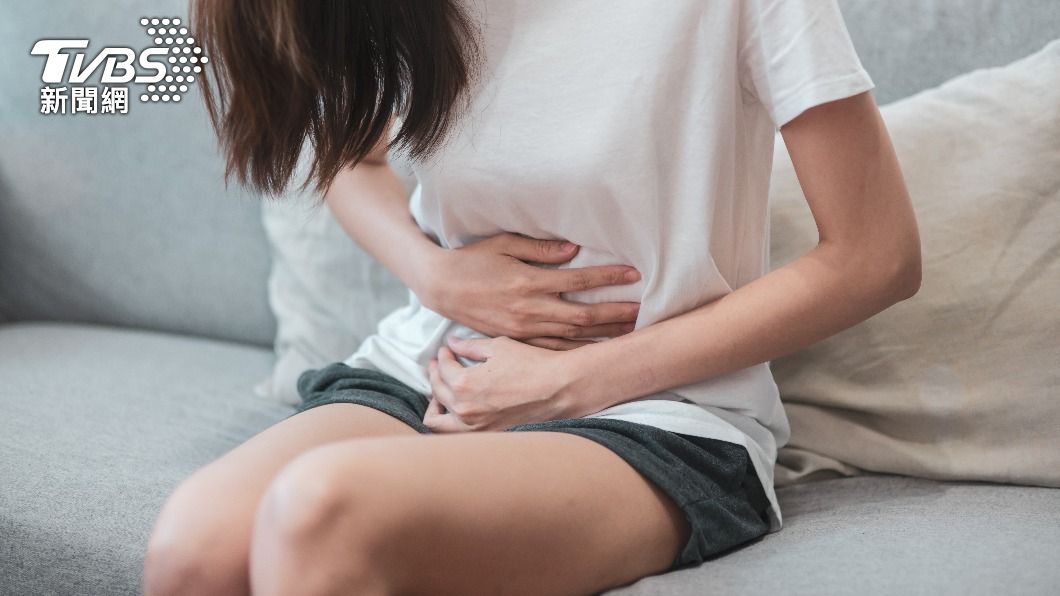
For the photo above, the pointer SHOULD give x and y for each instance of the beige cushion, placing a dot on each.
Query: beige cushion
(326, 292)
(962, 381)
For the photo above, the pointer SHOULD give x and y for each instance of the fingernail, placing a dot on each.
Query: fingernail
(567, 246)
(632, 275)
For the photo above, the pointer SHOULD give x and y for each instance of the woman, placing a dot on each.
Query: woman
(533, 422)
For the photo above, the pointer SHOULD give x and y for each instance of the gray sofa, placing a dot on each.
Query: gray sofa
(134, 321)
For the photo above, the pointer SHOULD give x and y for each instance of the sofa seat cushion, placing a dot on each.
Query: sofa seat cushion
(882, 534)
(98, 426)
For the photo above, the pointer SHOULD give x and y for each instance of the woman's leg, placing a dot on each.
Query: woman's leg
(201, 540)
(534, 512)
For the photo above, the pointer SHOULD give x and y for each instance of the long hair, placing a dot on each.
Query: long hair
(333, 73)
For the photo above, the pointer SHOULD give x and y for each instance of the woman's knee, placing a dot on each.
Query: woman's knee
(343, 514)
(330, 489)
(194, 546)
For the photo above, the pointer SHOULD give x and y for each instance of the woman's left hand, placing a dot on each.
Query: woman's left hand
(517, 383)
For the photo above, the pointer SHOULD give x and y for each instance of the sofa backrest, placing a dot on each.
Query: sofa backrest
(125, 220)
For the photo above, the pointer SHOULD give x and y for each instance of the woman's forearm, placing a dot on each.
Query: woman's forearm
(371, 204)
(792, 307)
(866, 259)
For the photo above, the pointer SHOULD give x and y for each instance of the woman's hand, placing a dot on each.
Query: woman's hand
(515, 384)
(488, 287)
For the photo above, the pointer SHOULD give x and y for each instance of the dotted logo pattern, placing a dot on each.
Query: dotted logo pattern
(185, 59)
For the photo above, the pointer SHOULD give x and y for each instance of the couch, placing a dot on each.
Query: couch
(134, 322)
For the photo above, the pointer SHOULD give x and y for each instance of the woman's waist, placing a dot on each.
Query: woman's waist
(415, 333)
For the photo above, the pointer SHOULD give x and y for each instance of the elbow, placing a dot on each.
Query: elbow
(905, 274)
(883, 277)
(898, 250)
(907, 283)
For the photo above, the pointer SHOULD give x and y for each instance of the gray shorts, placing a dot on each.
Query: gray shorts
(712, 481)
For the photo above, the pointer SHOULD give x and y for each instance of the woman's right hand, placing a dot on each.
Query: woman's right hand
(489, 287)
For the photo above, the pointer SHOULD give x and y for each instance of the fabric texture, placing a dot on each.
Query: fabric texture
(713, 482)
(542, 151)
(126, 219)
(892, 40)
(882, 535)
(961, 380)
(101, 424)
(326, 292)
(797, 54)
(912, 46)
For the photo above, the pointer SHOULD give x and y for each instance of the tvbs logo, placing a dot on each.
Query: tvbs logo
(165, 70)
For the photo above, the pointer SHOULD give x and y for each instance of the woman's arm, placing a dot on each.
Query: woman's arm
(867, 259)
(486, 285)
(371, 204)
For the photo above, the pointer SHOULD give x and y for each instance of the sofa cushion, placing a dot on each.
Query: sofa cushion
(913, 45)
(120, 220)
(326, 292)
(883, 535)
(959, 381)
(98, 426)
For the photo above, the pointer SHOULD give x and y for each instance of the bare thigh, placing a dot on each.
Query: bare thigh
(201, 539)
(533, 513)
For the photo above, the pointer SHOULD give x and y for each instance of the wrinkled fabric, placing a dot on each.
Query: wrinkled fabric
(643, 132)
(961, 381)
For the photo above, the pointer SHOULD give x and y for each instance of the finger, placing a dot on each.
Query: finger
(554, 316)
(436, 418)
(537, 250)
(449, 423)
(556, 343)
(443, 423)
(571, 331)
(434, 408)
(439, 389)
(561, 310)
(578, 279)
(475, 348)
(449, 369)
(609, 330)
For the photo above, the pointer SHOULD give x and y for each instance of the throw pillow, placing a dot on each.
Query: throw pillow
(326, 293)
(961, 381)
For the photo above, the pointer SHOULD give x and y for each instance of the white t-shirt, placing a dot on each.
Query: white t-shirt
(644, 132)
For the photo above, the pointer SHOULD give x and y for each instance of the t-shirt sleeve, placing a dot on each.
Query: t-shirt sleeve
(796, 54)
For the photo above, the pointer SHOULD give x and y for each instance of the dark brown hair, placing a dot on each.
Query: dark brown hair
(333, 73)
